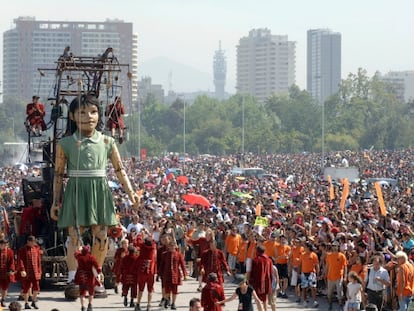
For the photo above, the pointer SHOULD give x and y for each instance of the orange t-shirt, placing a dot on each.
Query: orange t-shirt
(360, 269)
(241, 256)
(251, 250)
(309, 261)
(296, 253)
(406, 289)
(270, 247)
(282, 254)
(232, 244)
(189, 233)
(336, 263)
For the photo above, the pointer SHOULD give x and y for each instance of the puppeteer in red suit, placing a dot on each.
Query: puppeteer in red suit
(35, 112)
(29, 268)
(212, 293)
(7, 269)
(87, 274)
(129, 275)
(172, 270)
(146, 268)
(213, 260)
(261, 274)
(114, 113)
(120, 253)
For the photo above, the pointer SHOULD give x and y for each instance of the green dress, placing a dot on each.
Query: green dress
(87, 199)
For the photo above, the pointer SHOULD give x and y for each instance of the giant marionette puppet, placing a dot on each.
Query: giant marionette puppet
(87, 200)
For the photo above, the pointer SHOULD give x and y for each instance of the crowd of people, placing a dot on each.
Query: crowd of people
(291, 233)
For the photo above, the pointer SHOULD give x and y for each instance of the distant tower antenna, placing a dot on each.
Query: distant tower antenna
(219, 72)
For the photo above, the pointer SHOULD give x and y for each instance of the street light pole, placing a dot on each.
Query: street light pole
(323, 124)
(323, 137)
(139, 128)
(184, 130)
(242, 125)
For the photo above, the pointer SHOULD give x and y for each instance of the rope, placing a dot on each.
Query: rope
(77, 228)
(131, 123)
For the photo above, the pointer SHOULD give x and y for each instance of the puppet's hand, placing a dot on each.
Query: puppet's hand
(54, 212)
(135, 202)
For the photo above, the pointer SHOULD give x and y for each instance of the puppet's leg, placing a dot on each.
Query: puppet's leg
(73, 245)
(100, 243)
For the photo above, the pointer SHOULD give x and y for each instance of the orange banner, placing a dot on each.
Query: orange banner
(143, 153)
(381, 203)
(258, 209)
(331, 188)
(331, 192)
(345, 193)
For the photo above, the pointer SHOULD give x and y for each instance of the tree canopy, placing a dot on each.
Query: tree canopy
(364, 113)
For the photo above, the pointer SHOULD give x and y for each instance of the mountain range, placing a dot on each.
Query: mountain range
(175, 76)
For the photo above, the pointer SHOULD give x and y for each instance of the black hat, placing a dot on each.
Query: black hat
(35, 96)
(3, 241)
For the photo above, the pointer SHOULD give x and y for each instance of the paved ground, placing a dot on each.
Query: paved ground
(55, 298)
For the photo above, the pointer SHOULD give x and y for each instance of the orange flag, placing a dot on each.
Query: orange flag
(381, 203)
(345, 193)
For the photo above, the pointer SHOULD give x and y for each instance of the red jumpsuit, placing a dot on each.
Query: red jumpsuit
(160, 253)
(116, 269)
(85, 276)
(6, 266)
(202, 244)
(29, 260)
(129, 275)
(146, 266)
(210, 294)
(213, 261)
(261, 276)
(115, 112)
(171, 264)
(35, 113)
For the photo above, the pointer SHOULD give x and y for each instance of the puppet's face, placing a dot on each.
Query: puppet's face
(86, 119)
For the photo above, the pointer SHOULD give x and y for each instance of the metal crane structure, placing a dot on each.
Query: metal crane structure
(98, 76)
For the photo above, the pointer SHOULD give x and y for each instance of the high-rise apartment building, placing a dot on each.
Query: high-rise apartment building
(38, 44)
(265, 64)
(323, 63)
(402, 83)
(219, 70)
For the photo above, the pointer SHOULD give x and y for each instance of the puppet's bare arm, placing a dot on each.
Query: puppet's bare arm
(123, 177)
(60, 163)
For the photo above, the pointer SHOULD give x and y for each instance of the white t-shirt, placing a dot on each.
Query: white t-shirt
(354, 292)
(138, 227)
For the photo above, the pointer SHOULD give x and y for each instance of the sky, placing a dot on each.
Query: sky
(376, 34)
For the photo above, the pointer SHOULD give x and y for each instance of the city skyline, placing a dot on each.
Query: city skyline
(375, 34)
